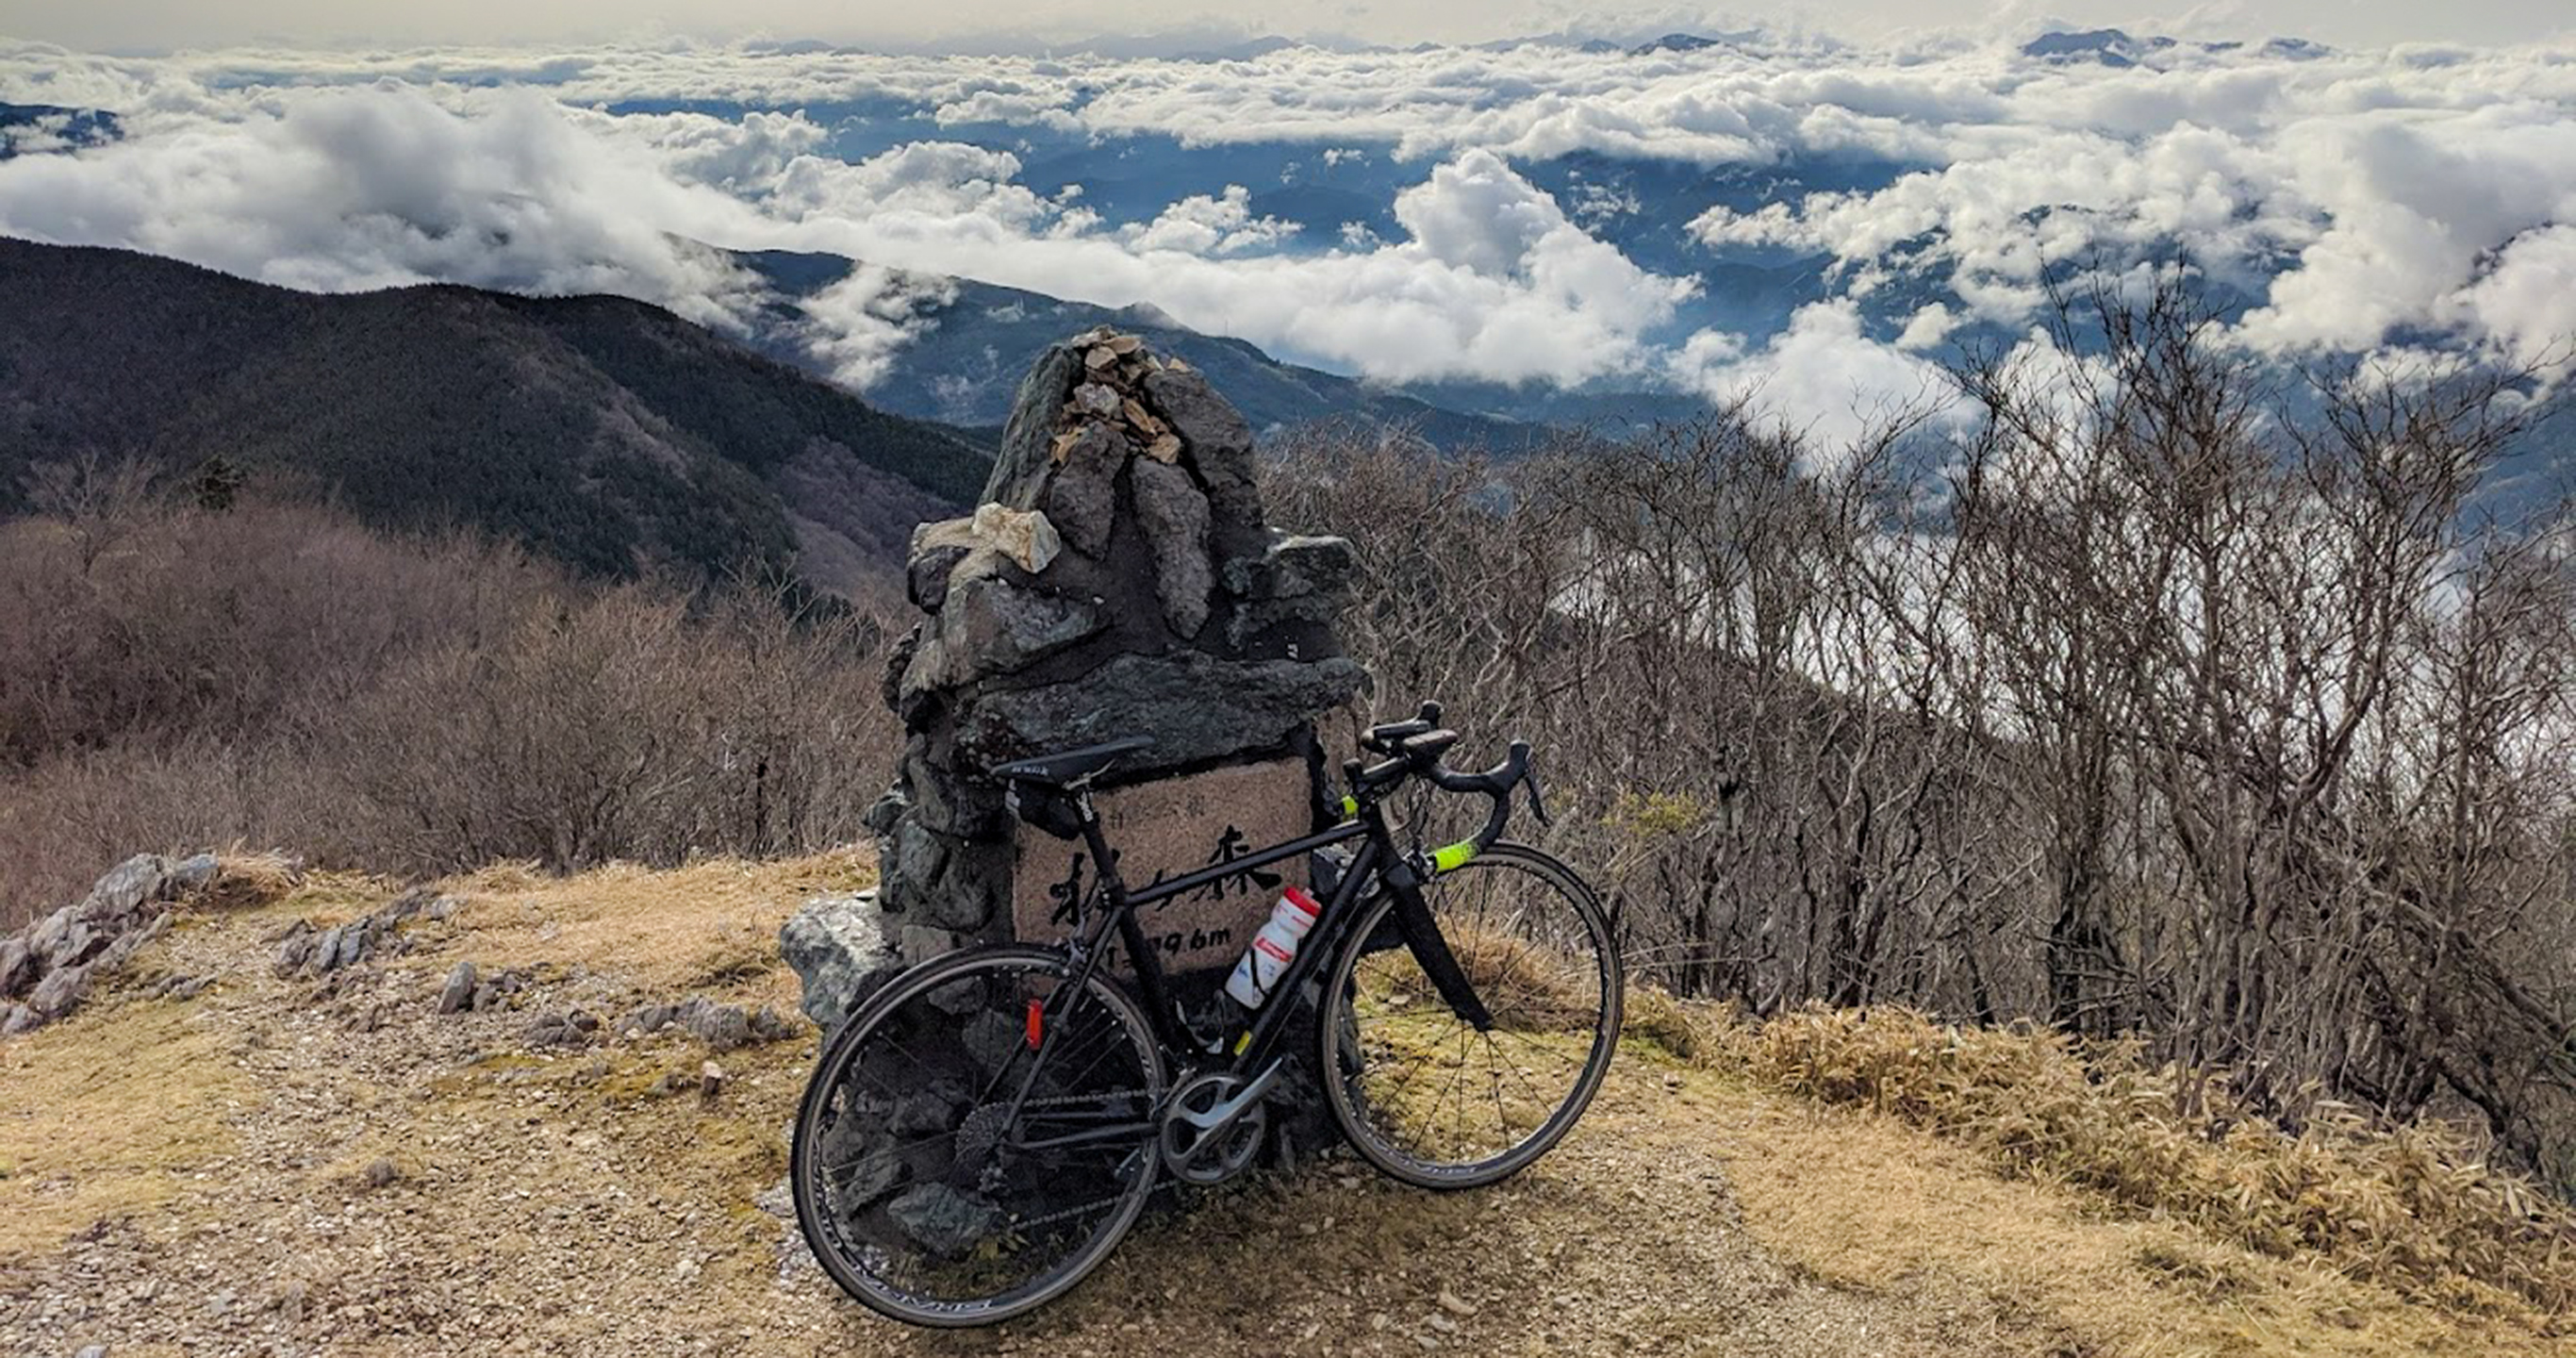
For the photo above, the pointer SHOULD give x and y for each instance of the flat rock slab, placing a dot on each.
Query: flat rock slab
(1164, 829)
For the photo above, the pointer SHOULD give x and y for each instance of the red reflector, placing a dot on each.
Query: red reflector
(1037, 1025)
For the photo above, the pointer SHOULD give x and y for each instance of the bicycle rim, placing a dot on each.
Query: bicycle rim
(1424, 1095)
(919, 1190)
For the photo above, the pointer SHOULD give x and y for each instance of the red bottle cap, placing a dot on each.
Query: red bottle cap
(1296, 896)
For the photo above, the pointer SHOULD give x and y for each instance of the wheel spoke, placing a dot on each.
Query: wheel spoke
(1425, 1094)
(914, 1183)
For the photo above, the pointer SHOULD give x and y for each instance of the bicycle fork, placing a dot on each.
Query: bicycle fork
(1422, 934)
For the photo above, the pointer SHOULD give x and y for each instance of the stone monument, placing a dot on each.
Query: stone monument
(1119, 579)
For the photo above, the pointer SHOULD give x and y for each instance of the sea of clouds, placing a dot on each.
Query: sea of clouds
(2386, 201)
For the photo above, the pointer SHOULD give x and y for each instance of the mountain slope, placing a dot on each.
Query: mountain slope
(605, 432)
(962, 367)
(264, 1165)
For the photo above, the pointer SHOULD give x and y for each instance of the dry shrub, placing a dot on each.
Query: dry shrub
(246, 880)
(172, 679)
(2412, 1207)
(1529, 987)
(1692, 1032)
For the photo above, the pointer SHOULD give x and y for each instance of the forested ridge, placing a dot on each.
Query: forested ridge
(599, 431)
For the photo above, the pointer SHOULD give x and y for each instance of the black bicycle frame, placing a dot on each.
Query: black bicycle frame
(1153, 985)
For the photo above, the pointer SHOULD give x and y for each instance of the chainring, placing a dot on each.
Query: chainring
(1203, 1158)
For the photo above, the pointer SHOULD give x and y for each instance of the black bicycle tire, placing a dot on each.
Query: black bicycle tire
(1337, 991)
(943, 970)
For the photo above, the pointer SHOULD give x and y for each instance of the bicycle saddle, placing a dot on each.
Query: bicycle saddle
(1071, 766)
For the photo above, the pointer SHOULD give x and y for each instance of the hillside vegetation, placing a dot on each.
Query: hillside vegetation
(283, 674)
(604, 433)
(287, 1164)
(2140, 700)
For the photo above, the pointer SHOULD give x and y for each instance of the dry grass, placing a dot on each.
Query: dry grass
(1858, 1199)
(247, 879)
(2410, 1208)
(711, 926)
(102, 1116)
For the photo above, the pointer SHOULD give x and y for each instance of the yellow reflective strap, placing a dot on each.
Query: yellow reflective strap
(1350, 807)
(1242, 1042)
(1453, 857)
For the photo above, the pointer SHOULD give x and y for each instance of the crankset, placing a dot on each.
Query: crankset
(1213, 1125)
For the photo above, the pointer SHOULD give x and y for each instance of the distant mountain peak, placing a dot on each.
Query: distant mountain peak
(34, 129)
(1687, 42)
(2116, 47)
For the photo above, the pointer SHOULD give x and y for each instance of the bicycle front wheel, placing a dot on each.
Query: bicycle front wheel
(1420, 1092)
(978, 1137)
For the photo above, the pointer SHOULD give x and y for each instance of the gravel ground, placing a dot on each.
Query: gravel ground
(402, 1182)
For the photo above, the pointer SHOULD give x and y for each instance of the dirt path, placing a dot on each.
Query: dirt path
(260, 1171)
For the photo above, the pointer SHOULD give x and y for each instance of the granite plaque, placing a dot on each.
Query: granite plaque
(1165, 829)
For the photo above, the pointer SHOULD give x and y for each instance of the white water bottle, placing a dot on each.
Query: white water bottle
(1268, 956)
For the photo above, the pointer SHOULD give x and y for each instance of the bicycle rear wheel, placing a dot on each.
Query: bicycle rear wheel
(929, 1186)
(1420, 1092)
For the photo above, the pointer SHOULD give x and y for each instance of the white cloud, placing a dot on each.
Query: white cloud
(1823, 376)
(2392, 192)
(1210, 225)
(352, 189)
(859, 325)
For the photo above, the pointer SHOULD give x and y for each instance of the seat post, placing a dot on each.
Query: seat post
(1103, 859)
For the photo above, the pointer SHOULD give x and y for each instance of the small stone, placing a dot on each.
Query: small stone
(295, 949)
(836, 947)
(17, 966)
(127, 885)
(1081, 497)
(559, 1030)
(190, 875)
(1165, 448)
(457, 995)
(1140, 417)
(290, 1302)
(919, 943)
(383, 1173)
(59, 993)
(1456, 1305)
(711, 1080)
(1125, 344)
(768, 1025)
(1023, 535)
(1099, 358)
(1063, 444)
(1174, 515)
(1095, 398)
(721, 1026)
(944, 1220)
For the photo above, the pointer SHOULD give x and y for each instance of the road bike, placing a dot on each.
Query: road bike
(990, 1122)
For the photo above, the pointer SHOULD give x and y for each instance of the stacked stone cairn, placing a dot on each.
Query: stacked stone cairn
(1118, 580)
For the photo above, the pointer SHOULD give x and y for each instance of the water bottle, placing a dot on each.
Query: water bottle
(1271, 948)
